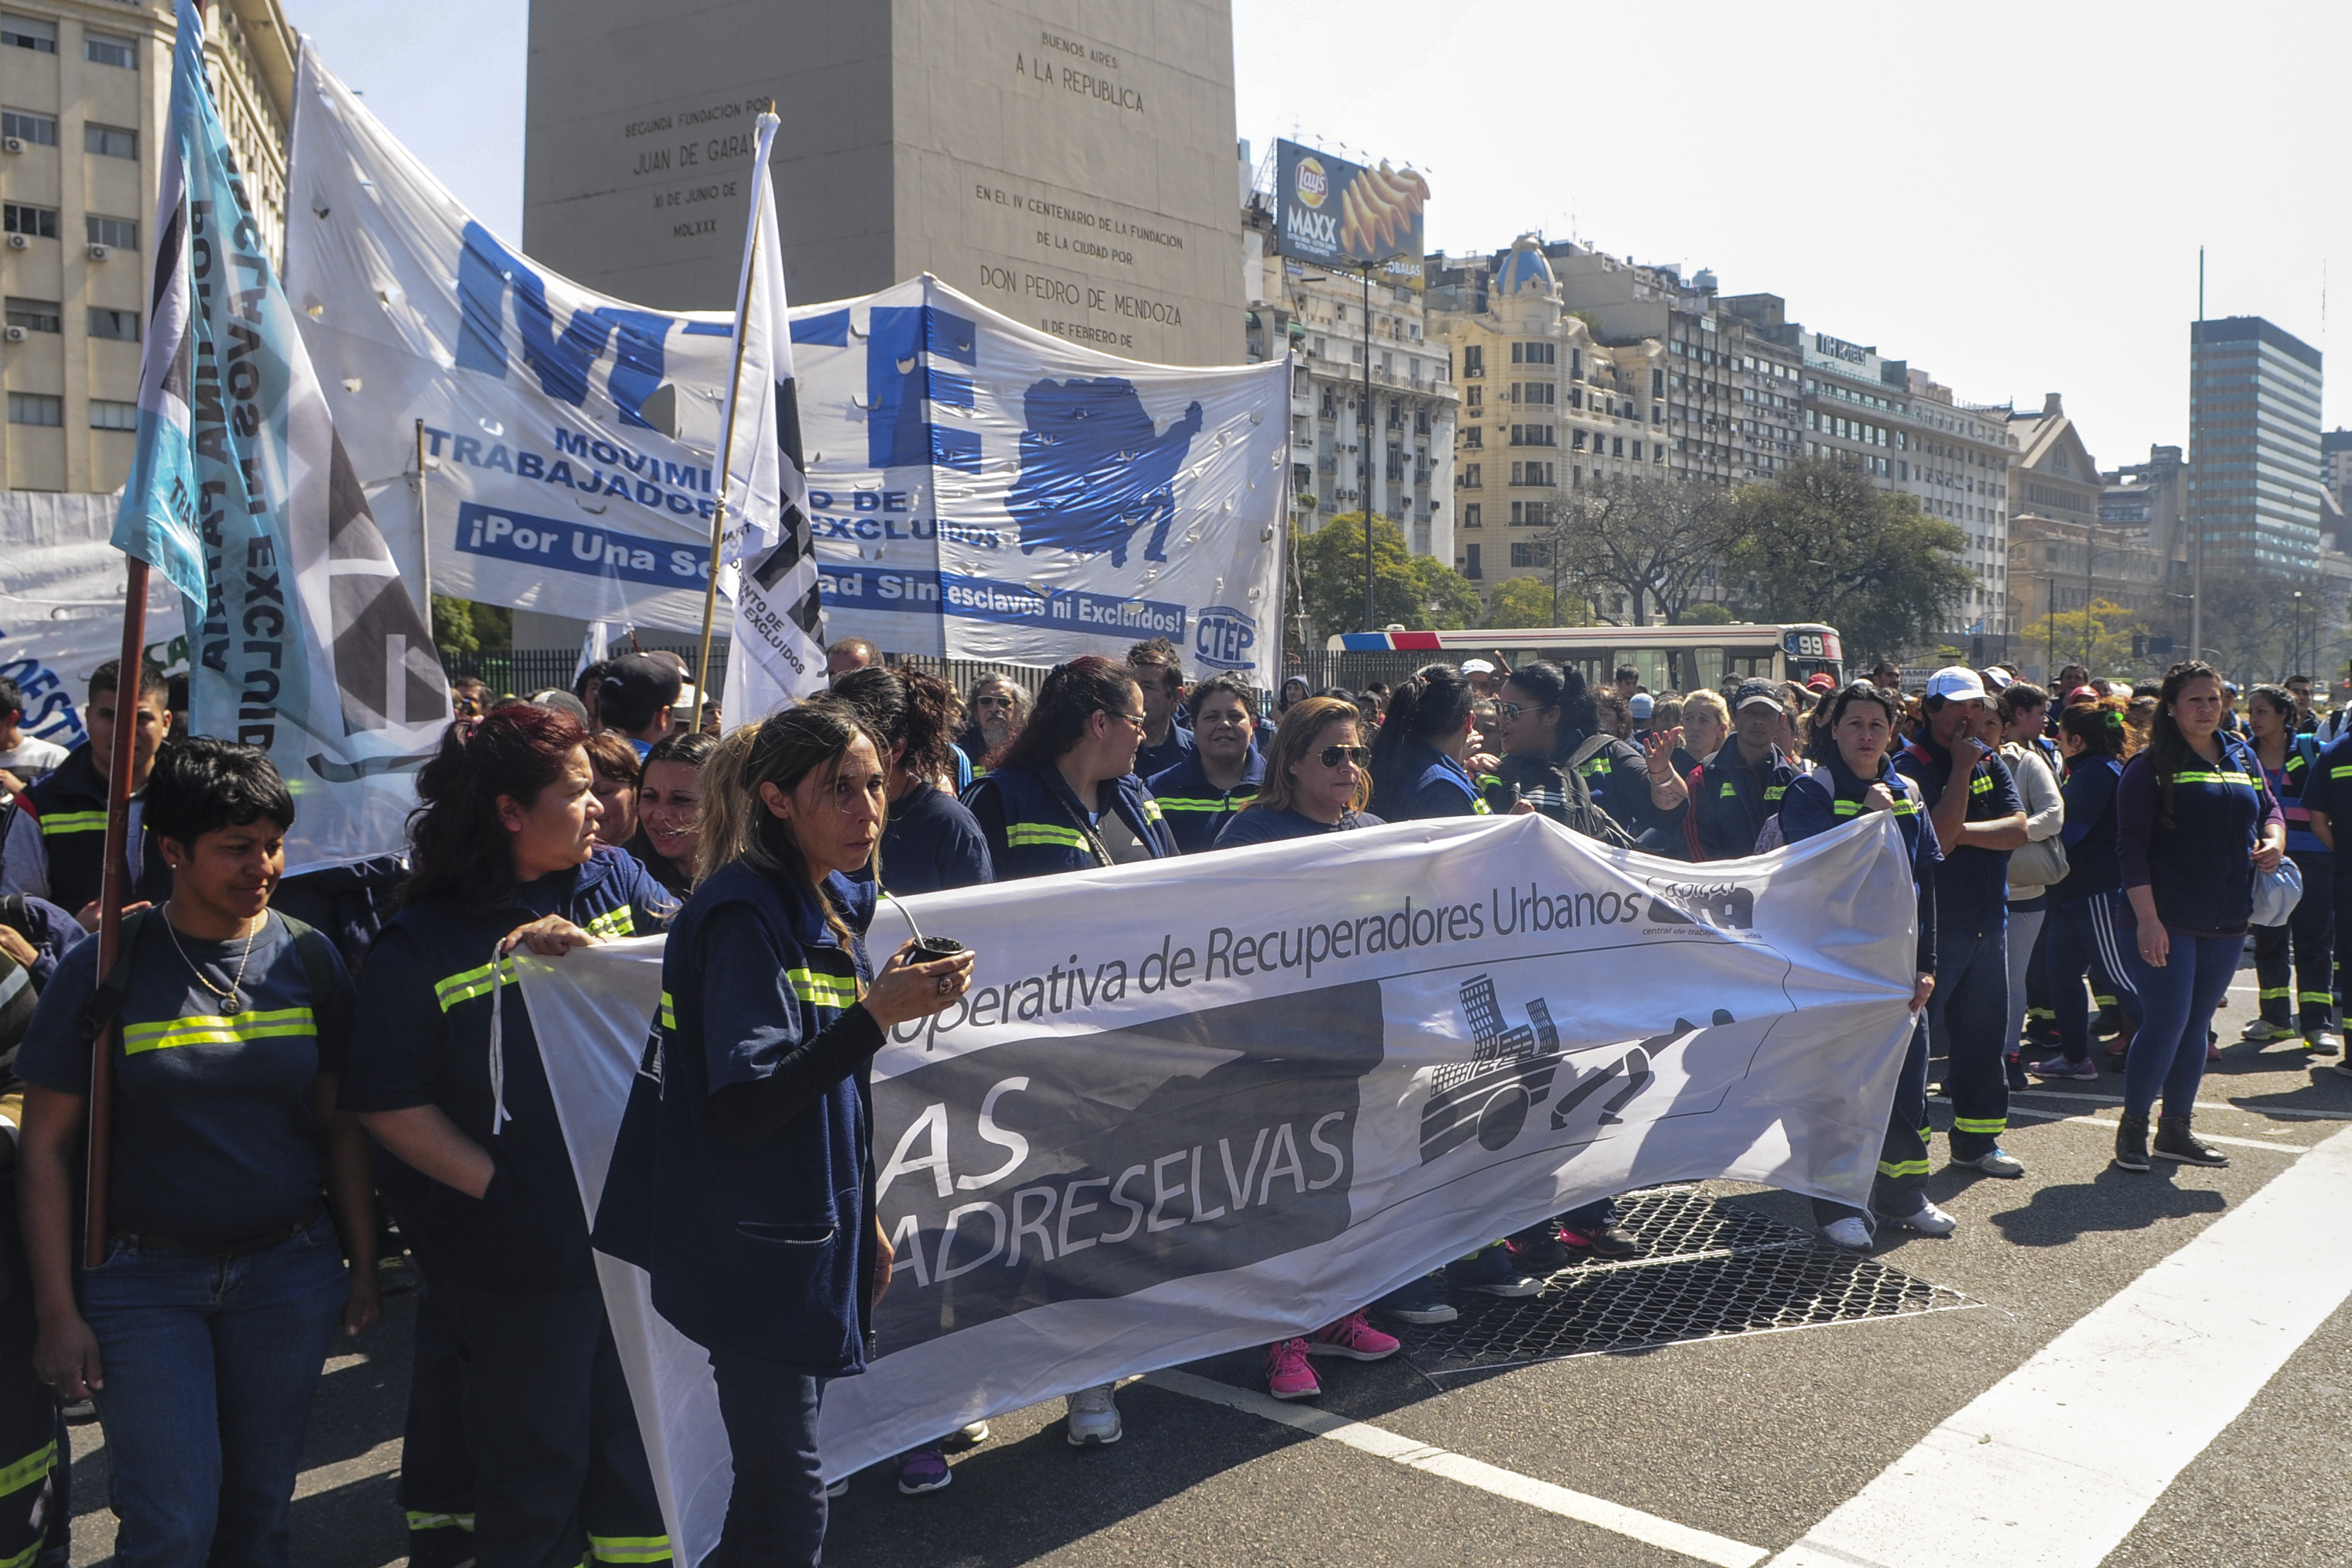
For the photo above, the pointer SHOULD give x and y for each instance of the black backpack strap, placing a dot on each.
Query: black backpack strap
(114, 986)
(318, 956)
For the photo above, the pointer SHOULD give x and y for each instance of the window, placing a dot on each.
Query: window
(1474, 516)
(1471, 478)
(1475, 437)
(122, 326)
(1617, 446)
(40, 128)
(36, 407)
(1531, 553)
(28, 33)
(106, 50)
(1575, 441)
(1473, 362)
(1474, 399)
(110, 140)
(17, 218)
(1658, 383)
(105, 415)
(35, 315)
(1470, 568)
(1576, 364)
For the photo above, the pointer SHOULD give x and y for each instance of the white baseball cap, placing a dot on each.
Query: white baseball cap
(1477, 667)
(1959, 684)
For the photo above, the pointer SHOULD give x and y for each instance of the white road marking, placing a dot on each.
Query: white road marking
(2054, 1465)
(1380, 1443)
(2061, 1117)
(2284, 1110)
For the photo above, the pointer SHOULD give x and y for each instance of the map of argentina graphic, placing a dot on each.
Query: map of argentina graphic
(1100, 1164)
(1094, 469)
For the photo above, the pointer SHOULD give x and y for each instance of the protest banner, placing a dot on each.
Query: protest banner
(62, 585)
(978, 489)
(305, 640)
(1194, 1105)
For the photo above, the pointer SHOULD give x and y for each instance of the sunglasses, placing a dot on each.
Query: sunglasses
(1332, 756)
(1136, 719)
(992, 701)
(1509, 712)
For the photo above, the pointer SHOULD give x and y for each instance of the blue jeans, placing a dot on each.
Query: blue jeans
(210, 1364)
(776, 1514)
(2177, 1005)
(1964, 1017)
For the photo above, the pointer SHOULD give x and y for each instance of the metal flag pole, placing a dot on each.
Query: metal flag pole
(2197, 481)
(114, 886)
(726, 464)
(423, 535)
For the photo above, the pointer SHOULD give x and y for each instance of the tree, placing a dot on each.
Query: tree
(461, 627)
(1821, 542)
(1525, 601)
(1646, 541)
(2255, 627)
(1417, 592)
(2106, 628)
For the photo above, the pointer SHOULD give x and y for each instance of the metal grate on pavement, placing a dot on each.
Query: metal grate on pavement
(1709, 1270)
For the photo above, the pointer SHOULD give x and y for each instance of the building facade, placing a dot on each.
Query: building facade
(85, 91)
(2063, 565)
(2253, 445)
(1067, 161)
(2152, 495)
(1547, 410)
(1321, 319)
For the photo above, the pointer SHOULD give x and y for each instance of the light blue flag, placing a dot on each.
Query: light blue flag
(158, 520)
(309, 645)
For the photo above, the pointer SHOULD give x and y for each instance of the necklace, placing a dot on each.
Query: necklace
(228, 997)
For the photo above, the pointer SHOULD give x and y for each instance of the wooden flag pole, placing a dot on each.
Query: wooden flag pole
(114, 886)
(726, 467)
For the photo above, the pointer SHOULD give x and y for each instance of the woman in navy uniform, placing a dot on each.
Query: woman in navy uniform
(743, 1180)
(504, 853)
(1420, 755)
(1857, 775)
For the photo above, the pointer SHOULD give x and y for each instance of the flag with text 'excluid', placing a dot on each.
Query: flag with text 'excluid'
(309, 645)
(778, 652)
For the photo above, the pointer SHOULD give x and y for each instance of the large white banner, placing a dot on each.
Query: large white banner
(61, 585)
(978, 489)
(1195, 1106)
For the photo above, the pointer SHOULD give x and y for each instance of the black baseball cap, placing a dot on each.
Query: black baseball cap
(1751, 693)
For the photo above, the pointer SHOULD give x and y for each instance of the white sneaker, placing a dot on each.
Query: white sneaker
(1999, 1162)
(1928, 1221)
(1094, 1417)
(1851, 1234)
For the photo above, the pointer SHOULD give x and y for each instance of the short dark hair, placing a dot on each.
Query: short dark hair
(1626, 673)
(12, 698)
(1158, 654)
(1073, 694)
(203, 783)
(1223, 685)
(690, 747)
(108, 677)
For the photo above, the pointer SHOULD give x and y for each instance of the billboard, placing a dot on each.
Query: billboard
(1340, 214)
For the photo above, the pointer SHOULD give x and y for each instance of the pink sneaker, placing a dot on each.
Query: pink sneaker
(1288, 1375)
(1354, 1337)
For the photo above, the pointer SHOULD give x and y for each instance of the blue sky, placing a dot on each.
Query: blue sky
(2010, 198)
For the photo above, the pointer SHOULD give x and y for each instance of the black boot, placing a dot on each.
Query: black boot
(2131, 1143)
(2174, 1141)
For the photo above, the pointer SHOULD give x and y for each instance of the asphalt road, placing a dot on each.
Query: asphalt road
(1752, 1441)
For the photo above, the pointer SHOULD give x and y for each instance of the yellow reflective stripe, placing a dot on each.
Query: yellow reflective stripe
(1478, 807)
(1151, 810)
(1906, 807)
(74, 822)
(1595, 767)
(2323, 997)
(2213, 777)
(668, 1014)
(2340, 773)
(1980, 785)
(614, 923)
(465, 986)
(1986, 1124)
(1018, 833)
(1776, 792)
(23, 1559)
(629, 1548)
(821, 990)
(440, 1521)
(205, 1028)
(2279, 993)
(1181, 803)
(1903, 1167)
(1729, 790)
(29, 1469)
(1845, 808)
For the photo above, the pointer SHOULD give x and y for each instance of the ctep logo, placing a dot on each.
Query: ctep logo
(1314, 185)
(1223, 638)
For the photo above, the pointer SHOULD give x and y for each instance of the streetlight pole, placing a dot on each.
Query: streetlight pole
(1364, 457)
(2197, 481)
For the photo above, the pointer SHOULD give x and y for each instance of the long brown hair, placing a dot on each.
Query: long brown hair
(1294, 745)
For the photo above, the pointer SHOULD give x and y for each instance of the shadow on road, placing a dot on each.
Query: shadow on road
(2113, 1200)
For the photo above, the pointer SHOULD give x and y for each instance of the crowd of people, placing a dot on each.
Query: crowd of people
(309, 1108)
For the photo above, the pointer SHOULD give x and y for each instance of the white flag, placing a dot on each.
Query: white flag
(778, 656)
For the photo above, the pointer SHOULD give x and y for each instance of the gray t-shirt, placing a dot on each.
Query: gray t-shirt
(32, 759)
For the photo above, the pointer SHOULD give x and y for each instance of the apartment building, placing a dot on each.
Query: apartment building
(2254, 452)
(85, 89)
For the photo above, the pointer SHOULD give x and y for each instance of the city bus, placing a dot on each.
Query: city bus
(1670, 658)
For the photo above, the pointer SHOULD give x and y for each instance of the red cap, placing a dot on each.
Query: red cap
(1819, 681)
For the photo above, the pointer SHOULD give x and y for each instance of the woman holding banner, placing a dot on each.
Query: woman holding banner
(743, 1180)
(446, 1071)
(1859, 778)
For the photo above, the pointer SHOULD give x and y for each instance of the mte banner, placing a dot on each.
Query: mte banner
(61, 585)
(1194, 1105)
(978, 489)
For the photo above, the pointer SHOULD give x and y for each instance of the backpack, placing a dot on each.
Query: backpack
(1579, 811)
